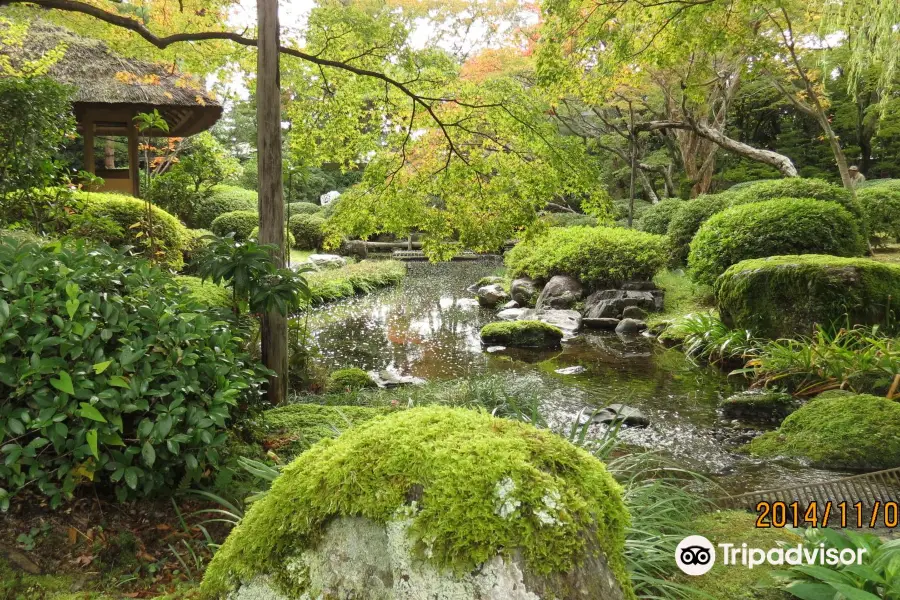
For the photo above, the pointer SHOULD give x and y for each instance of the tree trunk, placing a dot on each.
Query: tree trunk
(271, 199)
(839, 157)
(109, 156)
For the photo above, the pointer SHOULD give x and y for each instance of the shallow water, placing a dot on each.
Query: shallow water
(428, 327)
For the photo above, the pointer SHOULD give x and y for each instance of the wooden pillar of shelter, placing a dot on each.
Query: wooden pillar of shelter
(133, 166)
(88, 125)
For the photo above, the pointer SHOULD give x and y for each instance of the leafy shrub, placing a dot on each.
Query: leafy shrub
(240, 222)
(595, 256)
(197, 242)
(688, 219)
(881, 205)
(174, 193)
(122, 220)
(344, 380)
(850, 432)
(223, 199)
(785, 296)
(110, 374)
(656, 218)
(772, 228)
(570, 220)
(206, 163)
(302, 208)
(291, 241)
(204, 292)
(307, 231)
(358, 278)
(521, 334)
(19, 236)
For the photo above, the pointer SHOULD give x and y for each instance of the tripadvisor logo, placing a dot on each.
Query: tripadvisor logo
(696, 555)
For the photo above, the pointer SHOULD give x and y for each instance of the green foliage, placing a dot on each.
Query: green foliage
(438, 449)
(785, 296)
(521, 334)
(206, 163)
(881, 205)
(308, 185)
(569, 220)
(772, 228)
(172, 191)
(240, 223)
(197, 241)
(205, 293)
(349, 379)
(123, 221)
(290, 241)
(850, 432)
(223, 199)
(308, 231)
(656, 219)
(302, 208)
(110, 374)
(688, 219)
(596, 256)
(703, 335)
(358, 278)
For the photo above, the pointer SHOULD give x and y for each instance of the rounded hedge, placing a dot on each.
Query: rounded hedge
(881, 205)
(786, 296)
(206, 293)
(844, 432)
(596, 256)
(223, 199)
(772, 228)
(688, 219)
(349, 379)
(656, 219)
(302, 208)
(485, 486)
(308, 231)
(240, 222)
(122, 221)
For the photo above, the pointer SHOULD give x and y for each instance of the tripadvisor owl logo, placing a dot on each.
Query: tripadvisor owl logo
(695, 555)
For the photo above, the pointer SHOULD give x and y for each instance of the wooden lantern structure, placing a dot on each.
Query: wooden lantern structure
(109, 90)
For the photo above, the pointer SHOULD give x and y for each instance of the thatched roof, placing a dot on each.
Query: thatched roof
(105, 81)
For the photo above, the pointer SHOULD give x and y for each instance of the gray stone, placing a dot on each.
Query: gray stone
(634, 312)
(327, 261)
(571, 370)
(389, 379)
(355, 248)
(511, 304)
(759, 406)
(567, 320)
(491, 295)
(510, 314)
(612, 303)
(561, 292)
(524, 291)
(627, 415)
(630, 327)
(639, 285)
(492, 349)
(600, 323)
(466, 303)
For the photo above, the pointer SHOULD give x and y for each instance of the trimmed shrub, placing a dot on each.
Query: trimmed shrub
(240, 222)
(688, 219)
(772, 228)
(350, 379)
(881, 205)
(516, 479)
(206, 293)
(784, 296)
(308, 231)
(596, 256)
(849, 432)
(110, 375)
(224, 199)
(521, 334)
(291, 241)
(656, 219)
(122, 221)
(302, 208)
(569, 220)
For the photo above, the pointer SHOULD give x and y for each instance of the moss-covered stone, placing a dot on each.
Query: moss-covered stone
(838, 432)
(521, 334)
(759, 406)
(467, 487)
(351, 379)
(785, 296)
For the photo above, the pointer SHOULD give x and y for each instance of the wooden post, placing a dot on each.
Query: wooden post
(109, 155)
(133, 167)
(271, 199)
(88, 125)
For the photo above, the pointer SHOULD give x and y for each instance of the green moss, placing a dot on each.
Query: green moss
(772, 228)
(521, 334)
(783, 296)
(455, 460)
(682, 297)
(736, 583)
(349, 379)
(205, 292)
(838, 432)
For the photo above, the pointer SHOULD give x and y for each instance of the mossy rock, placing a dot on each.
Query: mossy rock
(838, 432)
(521, 334)
(432, 499)
(759, 406)
(206, 292)
(350, 379)
(737, 583)
(786, 296)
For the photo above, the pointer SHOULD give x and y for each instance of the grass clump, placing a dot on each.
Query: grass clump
(521, 334)
(596, 256)
(456, 458)
(357, 278)
(843, 432)
(349, 379)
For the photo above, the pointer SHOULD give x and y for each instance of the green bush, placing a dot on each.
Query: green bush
(358, 278)
(349, 379)
(19, 236)
(205, 292)
(194, 249)
(240, 222)
(302, 208)
(784, 296)
(291, 241)
(656, 218)
(521, 334)
(772, 228)
(688, 219)
(122, 221)
(223, 199)
(174, 193)
(850, 432)
(307, 230)
(570, 220)
(110, 374)
(596, 256)
(881, 205)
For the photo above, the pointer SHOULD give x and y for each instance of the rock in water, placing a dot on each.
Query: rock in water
(491, 295)
(634, 312)
(524, 291)
(521, 334)
(561, 292)
(511, 304)
(567, 320)
(630, 327)
(524, 532)
(627, 415)
(600, 323)
(571, 370)
(510, 314)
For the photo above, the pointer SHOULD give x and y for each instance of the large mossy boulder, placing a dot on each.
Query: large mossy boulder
(432, 503)
(521, 334)
(786, 296)
(838, 432)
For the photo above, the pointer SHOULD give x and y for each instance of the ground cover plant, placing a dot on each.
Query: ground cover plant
(356, 278)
